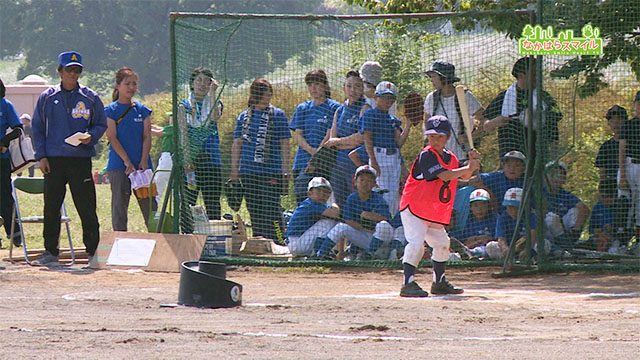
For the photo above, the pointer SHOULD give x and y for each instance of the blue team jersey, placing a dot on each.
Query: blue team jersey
(506, 227)
(601, 216)
(477, 227)
(498, 184)
(269, 161)
(314, 121)
(130, 133)
(354, 206)
(8, 119)
(383, 126)
(206, 135)
(304, 216)
(347, 124)
(561, 202)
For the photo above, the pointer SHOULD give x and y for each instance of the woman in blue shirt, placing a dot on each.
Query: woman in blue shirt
(312, 120)
(129, 134)
(345, 136)
(260, 158)
(198, 116)
(8, 119)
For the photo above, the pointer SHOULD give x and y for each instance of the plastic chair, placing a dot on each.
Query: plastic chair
(34, 185)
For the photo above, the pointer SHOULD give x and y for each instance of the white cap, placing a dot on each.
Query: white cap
(371, 72)
(513, 197)
(319, 182)
(557, 164)
(366, 168)
(25, 116)
(514, 154)
(479, 195)
(386, 87)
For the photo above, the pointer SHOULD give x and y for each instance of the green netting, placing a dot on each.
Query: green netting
(226, 133)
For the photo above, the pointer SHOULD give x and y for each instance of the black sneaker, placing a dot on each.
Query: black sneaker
(17, 240)
(445, 288)
(412, 289)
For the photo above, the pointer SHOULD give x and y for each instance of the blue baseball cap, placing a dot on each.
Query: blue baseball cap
(70, 58)
(438, 125)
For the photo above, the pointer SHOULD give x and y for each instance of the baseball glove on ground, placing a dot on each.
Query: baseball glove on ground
(235, 192)
(413, 108)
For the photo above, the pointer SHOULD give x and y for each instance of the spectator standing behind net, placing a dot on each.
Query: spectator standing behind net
(8, 119)
(508, 112)
(443, 101)
(60, 112)
(25, 119)
(312, 120)
(345, 136)
(629, 160)
(260, 158)
(383, 137)
(200, 114)
(371, 73)
(129, 134)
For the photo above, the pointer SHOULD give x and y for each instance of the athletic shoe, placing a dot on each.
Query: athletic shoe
(47, 259)
(17, 240)
(412, 289)
(445, 288)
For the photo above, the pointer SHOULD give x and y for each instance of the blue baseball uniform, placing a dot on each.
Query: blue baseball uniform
(498, 183)
(561, 202)
(347, 124)
(601, 217)
(506, 227)
(314, 121)
(383, 127)
(8, 119)
(354, 206)
(477, 227)
(304, 216)
(129, 133)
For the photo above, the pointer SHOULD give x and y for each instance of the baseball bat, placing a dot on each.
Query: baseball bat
(464, 110)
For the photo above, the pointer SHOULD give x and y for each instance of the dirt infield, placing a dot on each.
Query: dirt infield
(318, 314)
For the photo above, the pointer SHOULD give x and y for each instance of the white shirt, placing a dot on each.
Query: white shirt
(447, 107)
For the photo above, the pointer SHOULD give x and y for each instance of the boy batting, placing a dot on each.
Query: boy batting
(426, 205)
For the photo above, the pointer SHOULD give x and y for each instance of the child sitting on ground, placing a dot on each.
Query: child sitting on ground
(365, 217)
(313, 218)
(480, 227)
(601, 229)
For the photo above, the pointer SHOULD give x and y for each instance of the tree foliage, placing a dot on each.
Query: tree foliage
(112, 34)
(618, 21)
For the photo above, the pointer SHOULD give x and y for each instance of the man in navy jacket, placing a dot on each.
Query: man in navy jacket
(63, 111)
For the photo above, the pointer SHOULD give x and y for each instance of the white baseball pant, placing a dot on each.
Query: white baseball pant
(633, 178)
(303, 245)
(361, 238)
(389, 177)
(417, 232)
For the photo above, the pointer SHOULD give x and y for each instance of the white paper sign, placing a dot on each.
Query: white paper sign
(131, 252)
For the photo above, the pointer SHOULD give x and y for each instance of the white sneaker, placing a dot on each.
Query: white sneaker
(393, 254)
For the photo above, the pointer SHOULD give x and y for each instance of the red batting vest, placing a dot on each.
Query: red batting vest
(430, 200)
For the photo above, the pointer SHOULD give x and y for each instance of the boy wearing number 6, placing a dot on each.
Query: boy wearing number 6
(426, 205)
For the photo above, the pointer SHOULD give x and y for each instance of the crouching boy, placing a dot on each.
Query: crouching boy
(313, 218)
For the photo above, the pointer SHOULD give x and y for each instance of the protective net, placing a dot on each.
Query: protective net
(265, 106)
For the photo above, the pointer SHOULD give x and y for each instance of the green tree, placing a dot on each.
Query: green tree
(617, 20)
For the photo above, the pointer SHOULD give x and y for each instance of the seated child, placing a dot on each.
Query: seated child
(601, 229)
(497, 182)
(313, 218)
(506, 225)
(566, 214)
(365, 216)
(480, 227)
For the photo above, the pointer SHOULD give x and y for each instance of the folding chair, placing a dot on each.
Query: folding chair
(34, 185)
